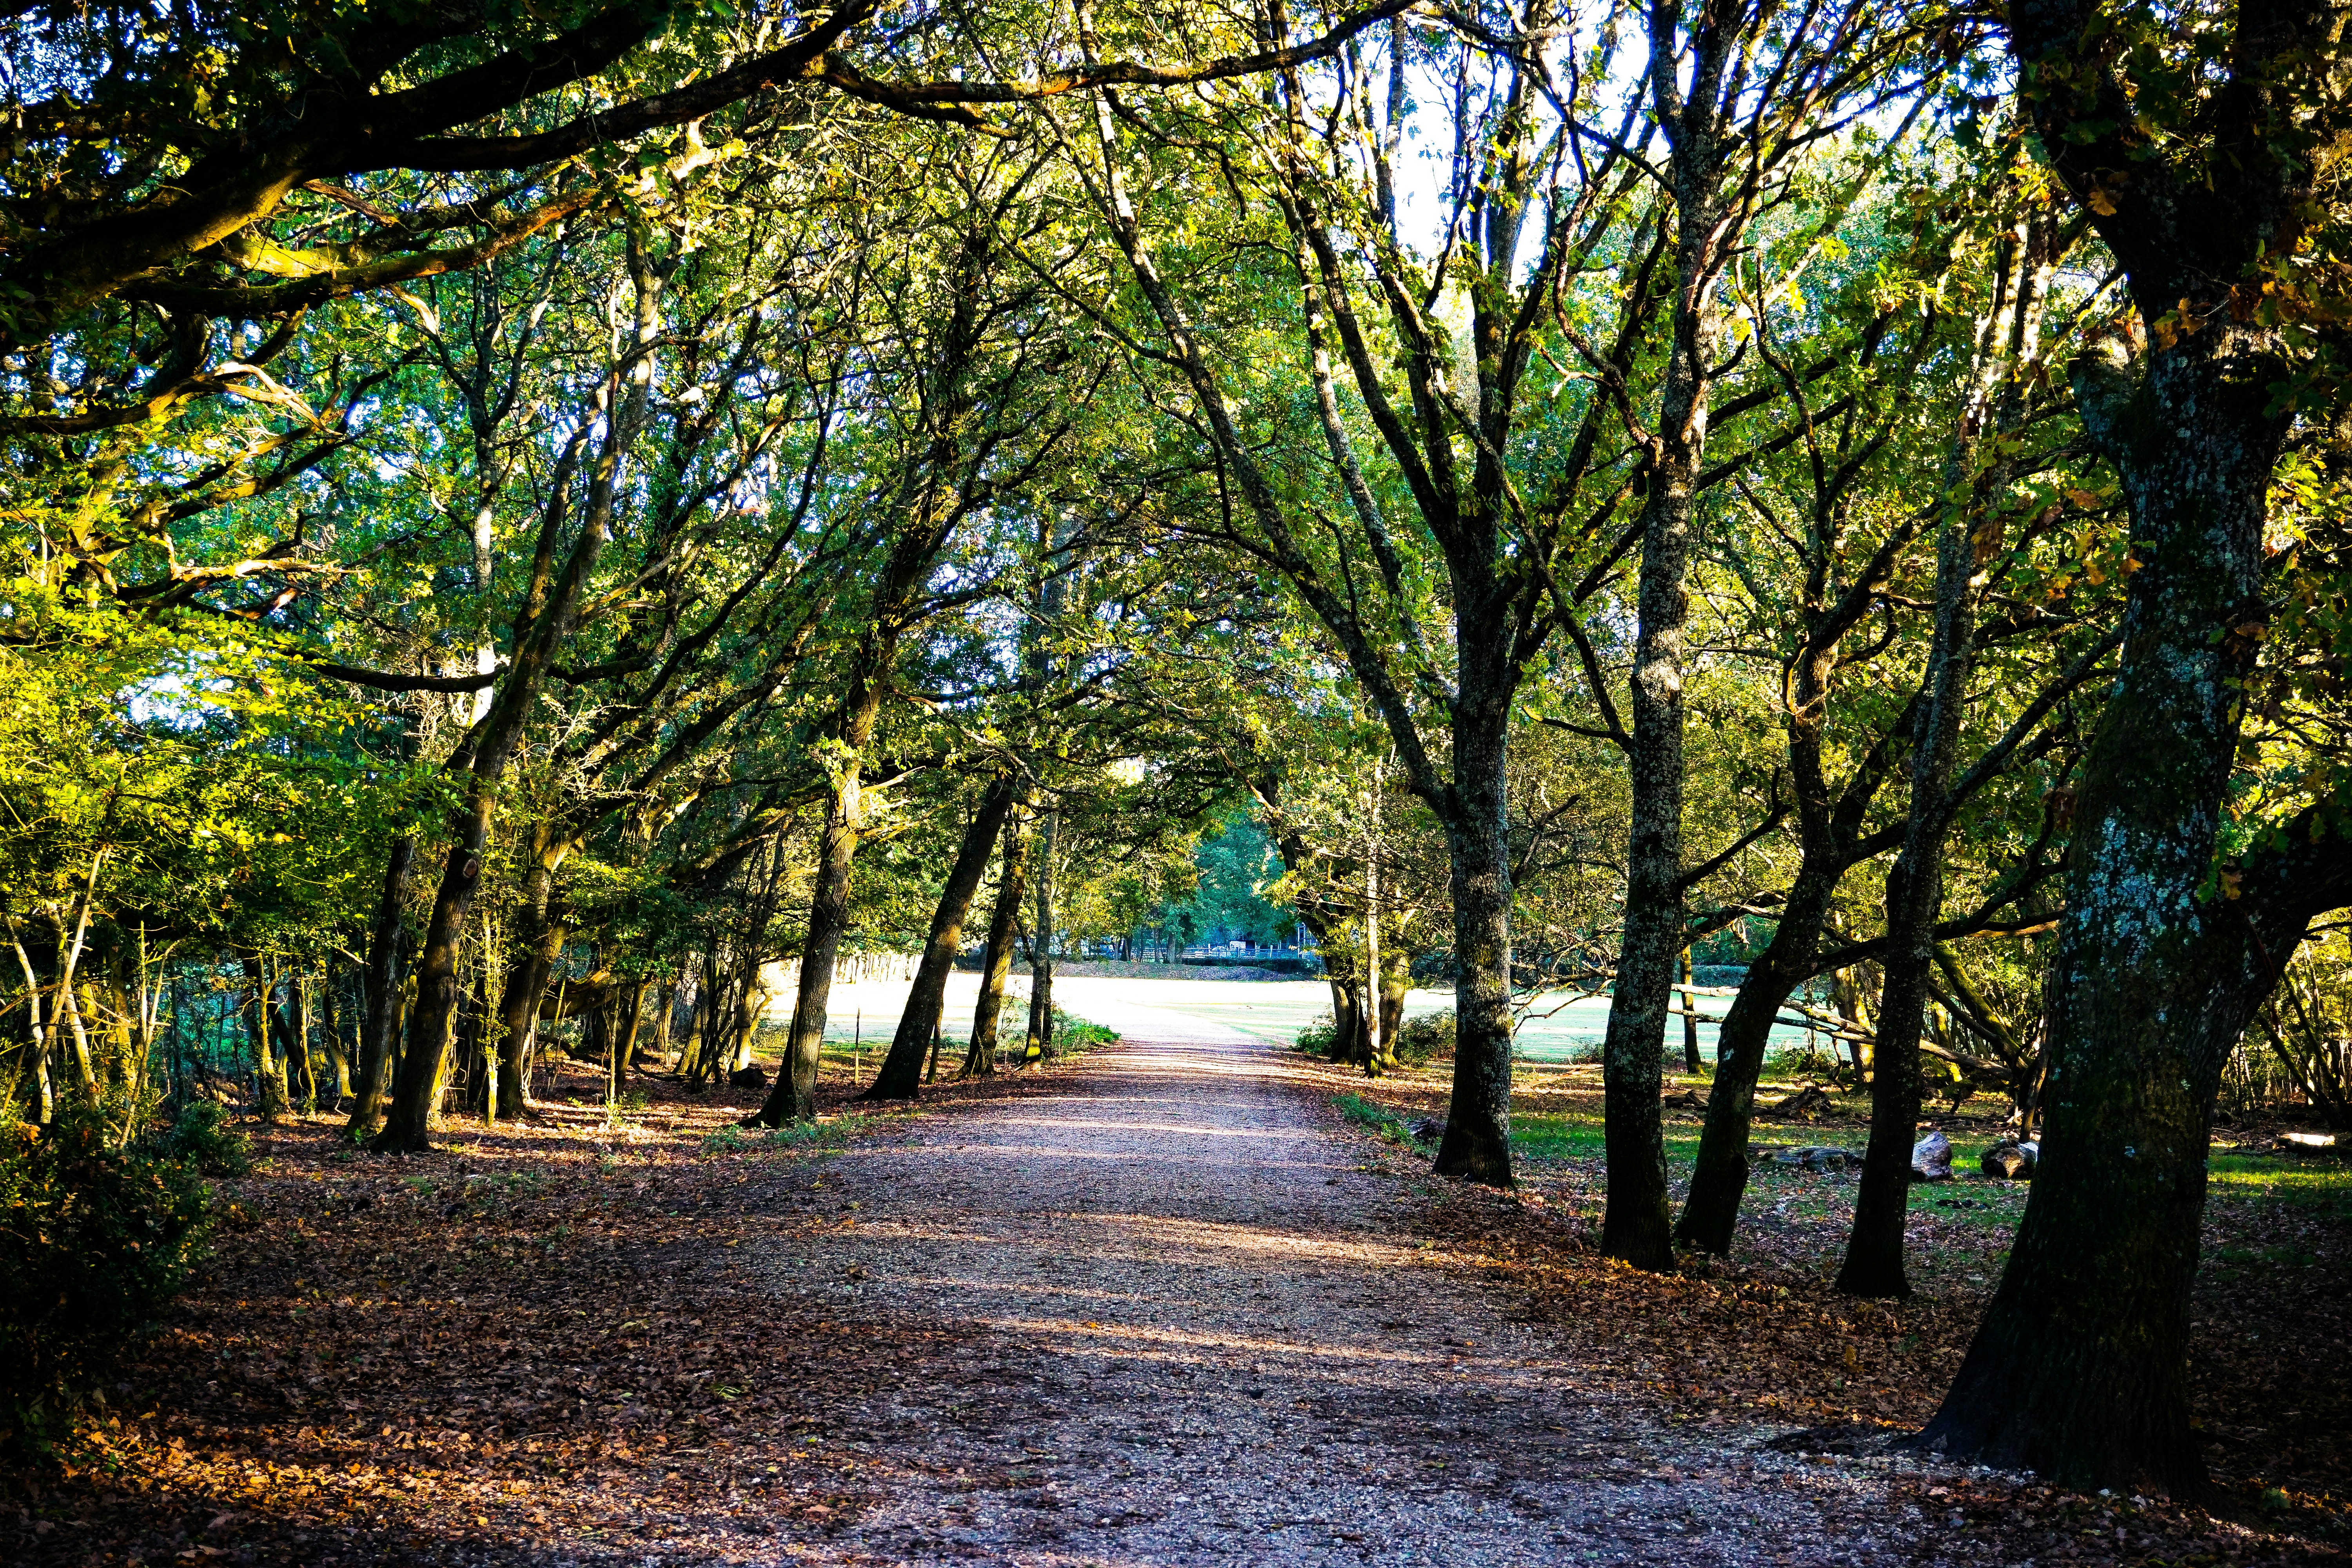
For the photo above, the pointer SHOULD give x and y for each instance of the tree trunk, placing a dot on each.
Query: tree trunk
(292, 1019)
(554, 608)
(793, 1097)
(1477, 1139)
(898, 1078)
(1691, 1062)
(2079, 1369)
(378, 1029)
(538, 945)
(269, 1070)
(1720, 1176)
(1396, 979)
(1968, 533)
(623, 1044)
(433, 1018)
(1881, 1205)
(1635, 1224)
(331, 1032)
(1040, 1043)
(1344, 977)
(996, 960)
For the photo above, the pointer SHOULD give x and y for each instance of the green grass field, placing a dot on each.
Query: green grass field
(2311, 1182)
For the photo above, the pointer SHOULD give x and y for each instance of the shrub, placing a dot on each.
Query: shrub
(1427, 1038)
(94, 1242)
(1071, 1035)
(1803, 1062)
(203, 1137)
(1317, 1036)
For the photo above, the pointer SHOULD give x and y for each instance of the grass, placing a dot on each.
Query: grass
(1375, 1118)
(2307, 1181)
(831, 1133)
(1565, 1137)
(1072, 1036)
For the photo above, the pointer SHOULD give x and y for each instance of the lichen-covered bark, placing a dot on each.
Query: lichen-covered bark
(2079, 1369)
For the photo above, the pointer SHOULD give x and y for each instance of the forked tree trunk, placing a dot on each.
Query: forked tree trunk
(996, 960)
(292, 1019)
(901, 1071)
(1344, 977)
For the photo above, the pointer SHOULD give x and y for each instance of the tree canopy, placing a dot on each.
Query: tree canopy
(517, 522)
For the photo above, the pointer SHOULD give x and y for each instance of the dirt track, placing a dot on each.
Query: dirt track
(1192, 1322)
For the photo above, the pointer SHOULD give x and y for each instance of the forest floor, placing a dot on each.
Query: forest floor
(1187, 1299)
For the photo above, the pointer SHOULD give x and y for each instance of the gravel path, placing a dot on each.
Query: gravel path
(1170, 1315)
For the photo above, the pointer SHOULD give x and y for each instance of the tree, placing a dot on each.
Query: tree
(977, 435)
(2195, 152)
(1841, 517)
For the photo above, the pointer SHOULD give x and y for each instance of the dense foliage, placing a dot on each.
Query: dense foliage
(95, 1240)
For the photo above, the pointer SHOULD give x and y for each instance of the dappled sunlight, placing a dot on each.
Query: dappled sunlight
(1168, 1343)
(1183, 1129)
(1170, 1240)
